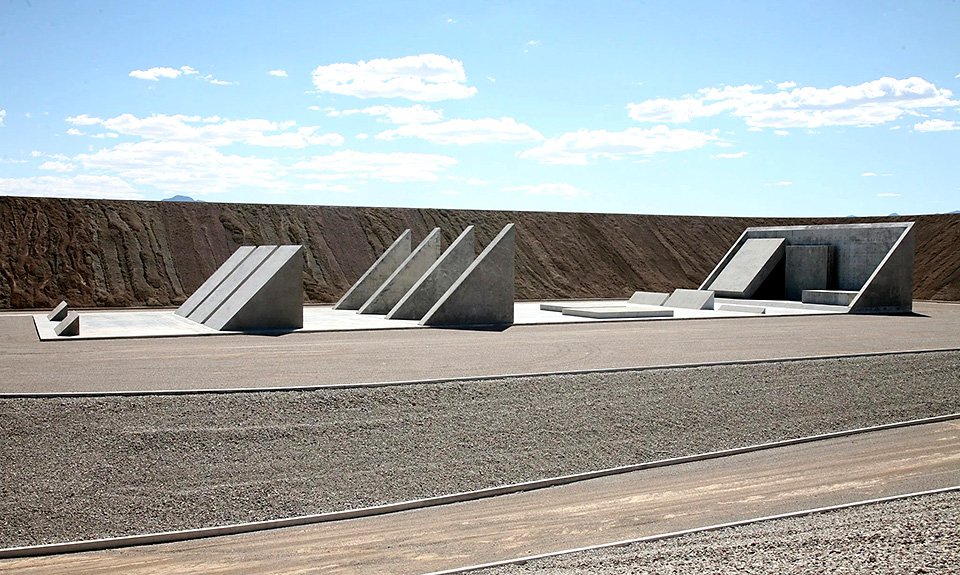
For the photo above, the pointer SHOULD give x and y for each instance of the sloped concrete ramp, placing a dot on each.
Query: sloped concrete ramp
(750, 265)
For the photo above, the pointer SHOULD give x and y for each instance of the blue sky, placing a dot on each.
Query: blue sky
(706, 108)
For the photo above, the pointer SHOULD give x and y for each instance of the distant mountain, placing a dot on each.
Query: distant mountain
(894, 214)
(955, 212)
(179, 198)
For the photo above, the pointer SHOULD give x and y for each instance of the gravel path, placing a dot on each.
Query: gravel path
(917, 535)
(92, 467)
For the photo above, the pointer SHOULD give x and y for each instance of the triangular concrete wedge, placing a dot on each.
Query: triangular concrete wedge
(378, 273)
(270, 299)
(890, 288)
(483, 295)
(214, 281)
(231, 283)
(401, 280)
(438, 279)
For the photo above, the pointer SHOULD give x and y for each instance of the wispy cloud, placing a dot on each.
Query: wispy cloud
(56, 166)
(584, 146)
(389, 167)
(729, 156)
(868, 104)
(936, 126)
(278, 73)
(416, 114)
(875, 175)
(155, 74)
(565, 191)
(79, 186)
(422, 78)
(464, 132)
(3, 114)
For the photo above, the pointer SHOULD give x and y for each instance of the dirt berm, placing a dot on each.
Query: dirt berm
(122, 253)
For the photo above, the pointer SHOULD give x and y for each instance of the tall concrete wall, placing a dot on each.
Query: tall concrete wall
(484, 294)
(405, 276)
(438, 279)
(376, 274)
(890, 288)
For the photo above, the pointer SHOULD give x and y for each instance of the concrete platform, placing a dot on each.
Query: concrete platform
(618, 311)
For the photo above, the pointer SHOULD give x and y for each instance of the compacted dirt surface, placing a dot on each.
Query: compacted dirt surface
(100, 253)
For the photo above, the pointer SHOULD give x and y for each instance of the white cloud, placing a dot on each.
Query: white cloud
(55, 166)
(422, 78)
(464, 132)
(868, 104)
(781, 133)
(936, 126)
(154, 74)
(416, 114)
(211, 80)
(83, 120)
(729, 156)
(869, 174)
(786, 85)
(79, 186)
(390, 167)
(3, 114)
(565, 191)
(278, 73)
(74, 132)
(579, 148)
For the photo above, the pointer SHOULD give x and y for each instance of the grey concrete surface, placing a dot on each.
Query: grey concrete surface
(376, 274)
(690, 299)
(59, 312)
(437, 280)
(484, 293)
(69, 325)
(807, 268)
(270, 298)
(890, 288)
(648, 298)
(625, 311)
(742, 308)
(828, 297)
(597, 511)
(405, 276)
(230, 284)
(749, 266)
(214, 281)
(247, 361)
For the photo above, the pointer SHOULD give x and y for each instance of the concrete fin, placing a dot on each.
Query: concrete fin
(214, 281)
(483, 294)
(748, 267)
(648, 298)
(59, 312)
(373, 278)
(690, 299)
(405, 276)
(438, 278)
(890, 288)
(70, 325)
(231, 283)
(269, 298)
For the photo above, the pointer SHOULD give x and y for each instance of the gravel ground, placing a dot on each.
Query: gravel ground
(917, 535)
(80, 468)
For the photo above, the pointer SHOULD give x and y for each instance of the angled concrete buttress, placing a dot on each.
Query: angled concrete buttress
(484, 294)
(59, 312)
(70, 325)
(405, 276)
(748, 267)
(373, 278)
(438, 279)
(690, 299)
(257, 289)
(890, 288)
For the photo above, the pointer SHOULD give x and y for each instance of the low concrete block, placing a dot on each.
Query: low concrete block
(483, 294)
(373, 278)
(59, 312)
(406, 275)
(560, 306)
(69, 326)
(828, 297)
(808, 268)
(648, 298)
(214, 281)
(437, 279)
(618, 312)
(742, 308)
(748, 268)
(690, 299)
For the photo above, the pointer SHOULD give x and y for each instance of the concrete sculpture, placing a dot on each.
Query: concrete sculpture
(405, 276)
(257, 289)
(484, 293)
(69, 326)
(866, 267)
(437, 279)
(748, 268)
(690, 299)
(59, 312)
(379, 272)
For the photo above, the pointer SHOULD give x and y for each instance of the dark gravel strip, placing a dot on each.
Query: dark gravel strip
(83, 468)
(917, 535)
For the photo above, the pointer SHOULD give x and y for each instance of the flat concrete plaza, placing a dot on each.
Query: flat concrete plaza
(165, 323)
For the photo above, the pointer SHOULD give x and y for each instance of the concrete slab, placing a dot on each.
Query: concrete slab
(748, 268)
(560, 306)
(405, 276)
(648, 297)
(807, 268)
(742, 308)
(59, 312)
(373, 278)
(437, 279)
(214, 281)
(690, 299)
(483, 295)
(619, 312)
(829, 297)
(69, 326)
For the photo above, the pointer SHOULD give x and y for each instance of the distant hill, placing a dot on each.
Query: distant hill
(179, 198)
